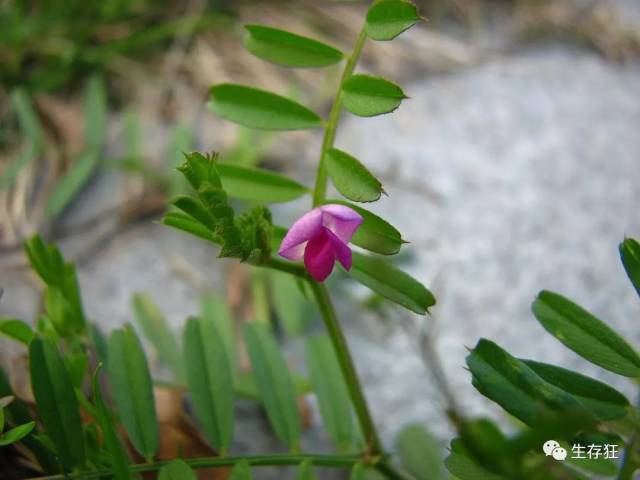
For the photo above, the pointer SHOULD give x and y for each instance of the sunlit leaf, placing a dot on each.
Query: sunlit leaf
(16, 329)
(274, 383)
(177, 470)
(630, 255)
(331, 391)
(289, 49)
(374, 234)
(132, 390)
(585, 334)
(113, 444)
(420, 453)
(387, 19)
(56, 401)
(210, 380)
(155, 327)
(16, 433)
(260, 109)
(351, 178)
(392, 283)
(367, 96)
(259, 185)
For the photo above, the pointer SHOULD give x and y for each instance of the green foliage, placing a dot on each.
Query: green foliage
(156, 329)
(16, 434)
(387, 19)
(256, 108)
(420, 453)
(16, 329)
(289, 49)
(368, 96)
(117, 453)
(177, 470)
(305, 472)
(585, 334)
(130, 382)
(385, 279)
(274, 383)
(241, 471)
(351, 178)
(292, 307)
(56, 402)
(331, 390)
(210, 380)
(258, 185)
(630, 256)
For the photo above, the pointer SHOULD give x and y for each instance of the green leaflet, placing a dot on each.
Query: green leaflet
(604, 401)
(387, 19)
(242, 471)
(177, 470)
(293, 309)
(16, 329)
(256, 108)
(156, 329)
(374, 234)
(274, 383)
(16, 433)
(585, 334)
(351, 178)
(420, 453)
(117, 453)
(289, 49)
(132, 390)
(214, 309)
(259, 185)
(305, 471)
(368, 96)
(331, 391)
(630, 256)
(462, 466)
(56, 402)
(515, 386)
(210, 380)
(392, 283)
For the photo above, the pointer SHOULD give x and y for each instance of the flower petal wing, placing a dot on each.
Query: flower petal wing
(319, 256)
(341, 251)
(341, 220)
(306, 227)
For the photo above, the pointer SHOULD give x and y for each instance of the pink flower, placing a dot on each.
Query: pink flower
(320, 237)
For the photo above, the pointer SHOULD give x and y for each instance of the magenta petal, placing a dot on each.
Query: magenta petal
(342, 221)
(307, 227)
(319, 256)
(341, 251)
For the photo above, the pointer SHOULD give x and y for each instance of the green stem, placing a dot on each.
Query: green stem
(320, 190)
(284, 266)
(348, 369)
(335, 461)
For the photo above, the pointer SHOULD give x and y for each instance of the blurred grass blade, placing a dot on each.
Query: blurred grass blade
(375, 234)
(305, 471)
(289, 49)
(132, 390)
(117, 453)
(56, 402)
(585, 334)
(420, 453)
(604, 401)
(357, 472)
(32, 132)
(214, 309)
(293, 309)
(274, 383)
(210, 380)
(16, 433)
(177, 470)
(16, 329)
(367, 96)
(351, 178)
(331, 391)
(155, 327)
(95, 113)
(181, 141)
(259, 185)
(256, 108)
(392, 283)
(386, 19)
(241, 471)
(630, 256)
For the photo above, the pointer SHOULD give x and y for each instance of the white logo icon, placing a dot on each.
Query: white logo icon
(553, 448)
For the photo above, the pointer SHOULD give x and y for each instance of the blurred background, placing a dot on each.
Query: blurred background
(514, 166)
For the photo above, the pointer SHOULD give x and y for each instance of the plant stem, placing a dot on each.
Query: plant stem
(320, 190)
(374, 447)
(284, 266)
(336, 461)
